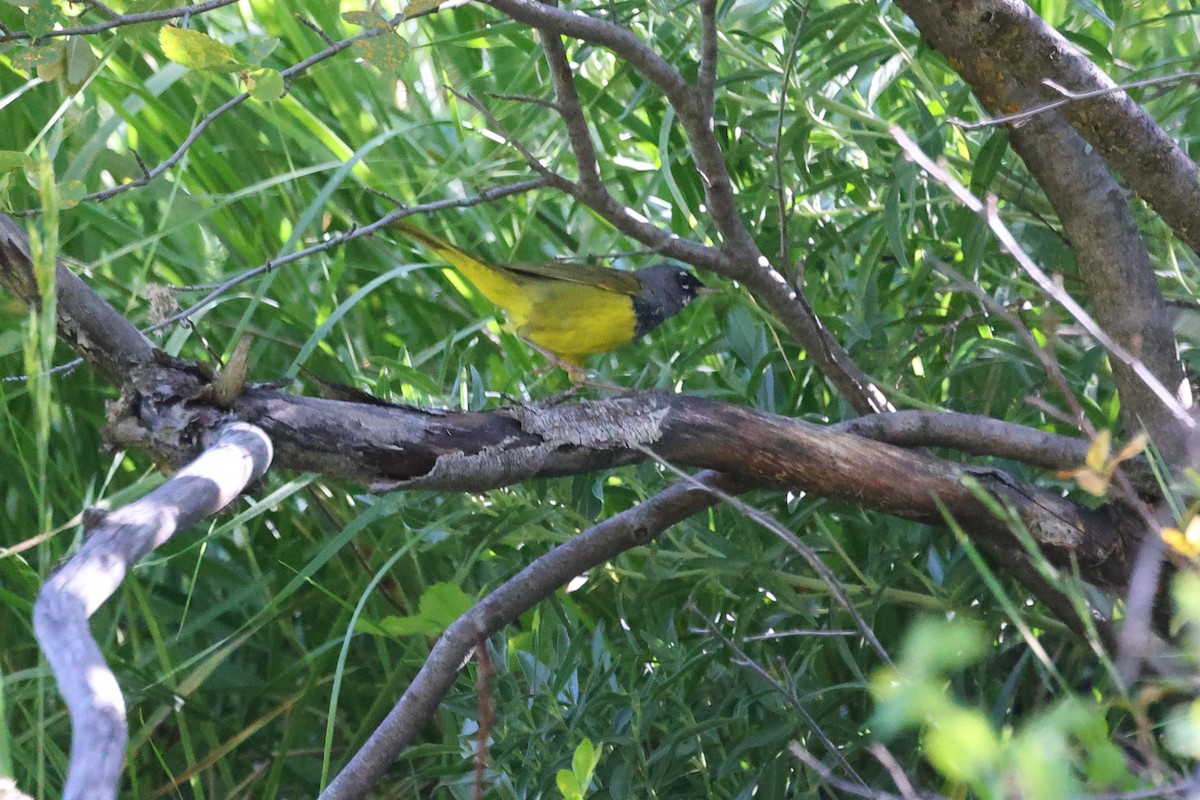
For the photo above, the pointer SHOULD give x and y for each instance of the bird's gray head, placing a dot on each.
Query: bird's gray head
(666, 289)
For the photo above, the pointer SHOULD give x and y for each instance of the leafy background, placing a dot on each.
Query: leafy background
(259, 651)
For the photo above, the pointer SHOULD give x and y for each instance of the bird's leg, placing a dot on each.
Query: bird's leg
(576, 373)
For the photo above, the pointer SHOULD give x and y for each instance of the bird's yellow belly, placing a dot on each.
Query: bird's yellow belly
(573, 321)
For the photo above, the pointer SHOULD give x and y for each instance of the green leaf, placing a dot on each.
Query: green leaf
(988, 162)
(13, 160)
(196, 50)
(440, 605)
(264, 84)
(1094, 11)
(893, 222)
(1183, 730)
(258, 48)
(584, 762)
(961, 745)
(70, 193)
(31, 58)
(934, 647)
(365, 19)
(41, 18)
(80, 61)
(418, 7)
(385, 52)
(444, 602)
(568, 785)
(398, 627)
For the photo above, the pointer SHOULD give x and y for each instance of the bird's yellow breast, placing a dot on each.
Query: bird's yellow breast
(574, 321)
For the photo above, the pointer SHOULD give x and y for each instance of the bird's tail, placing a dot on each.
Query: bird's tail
(495, 283)
(439, 247)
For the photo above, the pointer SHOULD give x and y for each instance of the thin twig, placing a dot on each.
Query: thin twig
(1047, 359)
(217, 290)
(630, 528)
(784, 691)
(1001, 231)
(212, 116)
(889, 762)
(1070, 97)
(842, 785)
(571, 112)
(622, 217)
(791, 540)
(551, 177)
(312, 26)
(483, 691)
(122, 20)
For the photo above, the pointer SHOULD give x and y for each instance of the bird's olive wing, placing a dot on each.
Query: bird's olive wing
(612, 280)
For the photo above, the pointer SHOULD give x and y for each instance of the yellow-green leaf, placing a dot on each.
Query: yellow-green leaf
(196, 50)
(71, 193)
(365, 19)
(55, 67)
(13, 160)
(568, 785)
(961, 745)
(1186, 542)
(385, 52)
(1099, 451)
(418, 7)
(264, 84)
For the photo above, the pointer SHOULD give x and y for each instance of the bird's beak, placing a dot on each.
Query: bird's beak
(706, 290)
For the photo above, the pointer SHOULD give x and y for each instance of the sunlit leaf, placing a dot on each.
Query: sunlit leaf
(196, 50)
(12, 160)
(1099, 451)
(568, 785)
(1186, 542)
(365, 19)
(962, 745)
(385, 52)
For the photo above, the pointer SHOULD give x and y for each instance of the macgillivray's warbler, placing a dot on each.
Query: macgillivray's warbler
(571, 311)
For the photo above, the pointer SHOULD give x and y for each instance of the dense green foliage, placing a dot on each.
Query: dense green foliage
(257, 652)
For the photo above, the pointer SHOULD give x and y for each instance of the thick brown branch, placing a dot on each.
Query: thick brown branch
(1116, 271)
(984, 436)
(86, 322)
(1113, 260)
(1174, 433)
(237, 455)
(394, 447)
(1007, 38)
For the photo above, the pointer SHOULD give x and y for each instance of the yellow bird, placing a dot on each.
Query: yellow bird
(571, 311)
